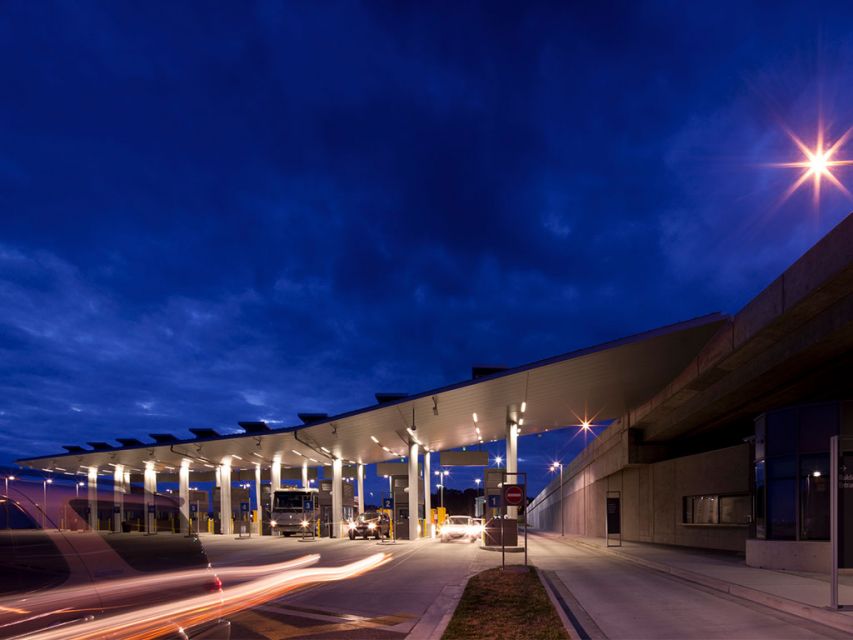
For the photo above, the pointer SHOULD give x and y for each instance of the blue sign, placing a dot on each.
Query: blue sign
(244, 507)
(151, 508)
(308, 505)
(193, 508)
(494, 501)
(387, 503)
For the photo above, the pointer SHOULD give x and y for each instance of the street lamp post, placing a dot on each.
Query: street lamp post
(554, 467)
(7, 483)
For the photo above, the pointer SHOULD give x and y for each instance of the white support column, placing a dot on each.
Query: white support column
(259, 528)
(149, 486)
(184, 495)
(118, 496)
(361, 488)
(512, 463)
(225, 496)
(305, 482)
(413, 491)
(428, 530)
(93, 498)
(337, 497)
(275, 472)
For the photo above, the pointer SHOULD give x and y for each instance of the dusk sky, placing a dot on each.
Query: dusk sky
(215, 212)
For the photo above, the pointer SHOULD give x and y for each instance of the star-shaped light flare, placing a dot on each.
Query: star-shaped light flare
(817, 163)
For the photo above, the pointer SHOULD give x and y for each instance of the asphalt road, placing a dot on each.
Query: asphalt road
(612, 598)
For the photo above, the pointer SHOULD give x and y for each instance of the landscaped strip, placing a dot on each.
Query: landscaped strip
(510, 604)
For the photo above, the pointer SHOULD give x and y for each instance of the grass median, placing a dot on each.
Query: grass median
(508, 604)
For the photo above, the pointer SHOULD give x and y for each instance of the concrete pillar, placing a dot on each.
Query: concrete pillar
(225, 495)
(305, 482)
(118, 497)
(149, 486)
(361, 488)
(93, 498)
(337, 497)
(259, 525)
(413, 491)
(184, 495)
(512, 462)
(428, 531)
(275, 472)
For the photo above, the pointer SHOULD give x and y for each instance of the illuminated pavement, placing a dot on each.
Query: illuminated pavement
(384, 603)
(623, 600)
(614, 599)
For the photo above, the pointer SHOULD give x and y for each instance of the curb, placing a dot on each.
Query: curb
(434, 621)
(826, 617)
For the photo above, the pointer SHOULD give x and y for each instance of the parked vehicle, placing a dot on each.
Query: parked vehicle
(370, 524)
(460, 527)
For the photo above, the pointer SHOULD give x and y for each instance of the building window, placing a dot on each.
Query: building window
(717, 509)
(782, 498)
(814, 497)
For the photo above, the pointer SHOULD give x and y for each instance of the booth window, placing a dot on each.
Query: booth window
(717, 509)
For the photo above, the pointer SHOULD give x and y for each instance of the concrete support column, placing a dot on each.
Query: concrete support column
(149, 486)
(275, 472)
(428, 530)
(225, 495)
(413, 491)
(93, 499)
(337, 497)
(305, 483)
(184, 495)
(361, 488)
(119, 490)
(512, 462)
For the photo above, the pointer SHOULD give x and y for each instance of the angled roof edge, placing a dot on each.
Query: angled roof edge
(699, 321)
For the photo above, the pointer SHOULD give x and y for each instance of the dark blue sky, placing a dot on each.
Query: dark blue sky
(215, 212)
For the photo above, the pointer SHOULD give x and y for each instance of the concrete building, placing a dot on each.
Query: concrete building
(733, 451)
(719, 440)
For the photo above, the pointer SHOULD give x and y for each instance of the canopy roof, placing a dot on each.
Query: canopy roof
(601, 382)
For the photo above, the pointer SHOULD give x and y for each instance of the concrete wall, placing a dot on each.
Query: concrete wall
(652, 497)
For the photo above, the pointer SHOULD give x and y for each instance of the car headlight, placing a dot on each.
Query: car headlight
(371, 526)
(352, 525)
(304, 523)
(273, 523)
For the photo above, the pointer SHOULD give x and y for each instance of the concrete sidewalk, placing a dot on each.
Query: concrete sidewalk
(803, 595)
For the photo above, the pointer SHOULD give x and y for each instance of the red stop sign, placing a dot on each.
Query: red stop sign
(513, 495)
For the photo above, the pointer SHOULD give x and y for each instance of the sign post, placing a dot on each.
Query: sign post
(308, 520)
(840, 510)
(514, 495)
(388, 503)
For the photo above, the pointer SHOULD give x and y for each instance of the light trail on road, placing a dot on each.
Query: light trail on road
(170, 618)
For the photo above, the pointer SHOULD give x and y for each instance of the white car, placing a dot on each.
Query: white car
(460, 527)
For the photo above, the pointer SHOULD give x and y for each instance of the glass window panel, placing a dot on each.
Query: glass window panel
(814, 497)
(760, 531)
(782, 432)
(818, 423)
(781, 523)
(735, 509)
(705, 510)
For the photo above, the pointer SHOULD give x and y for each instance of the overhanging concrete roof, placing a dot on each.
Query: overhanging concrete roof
(605, 381)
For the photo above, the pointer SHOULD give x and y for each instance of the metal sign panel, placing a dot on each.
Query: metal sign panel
(308, 505)
(513, 495)
(494, 501)
(387, 503)
(244, 507)
(193, 508)
(464, 459)
(614, 521)
(845, 510)
(392, 469)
